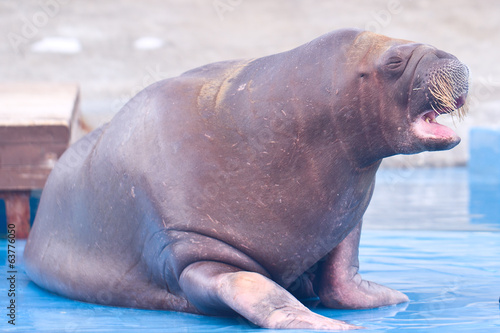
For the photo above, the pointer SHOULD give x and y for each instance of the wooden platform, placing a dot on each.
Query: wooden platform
(36, 127)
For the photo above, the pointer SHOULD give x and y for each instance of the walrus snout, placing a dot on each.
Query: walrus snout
(444, 90)
(441, 83)
(448, 85)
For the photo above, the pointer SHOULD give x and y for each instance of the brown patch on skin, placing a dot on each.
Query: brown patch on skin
(226, 84)
(214, 90)
(368, 44)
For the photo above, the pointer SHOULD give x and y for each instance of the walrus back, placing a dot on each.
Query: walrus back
(50, 253)
(80, 246)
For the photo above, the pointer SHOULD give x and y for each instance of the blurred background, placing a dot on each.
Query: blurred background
(113, 49)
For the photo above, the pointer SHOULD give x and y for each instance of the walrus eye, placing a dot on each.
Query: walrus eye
(394, 63)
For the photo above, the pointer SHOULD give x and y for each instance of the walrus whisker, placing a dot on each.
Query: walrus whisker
(446, 93)
(435, 109)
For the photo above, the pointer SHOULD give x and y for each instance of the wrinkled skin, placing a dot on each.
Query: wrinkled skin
(216, 191)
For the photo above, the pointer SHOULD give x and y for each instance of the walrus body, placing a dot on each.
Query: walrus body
(216, 191)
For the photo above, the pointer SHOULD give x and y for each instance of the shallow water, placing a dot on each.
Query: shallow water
(428, 233)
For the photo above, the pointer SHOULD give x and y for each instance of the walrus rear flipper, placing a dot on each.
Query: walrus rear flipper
(217, 288)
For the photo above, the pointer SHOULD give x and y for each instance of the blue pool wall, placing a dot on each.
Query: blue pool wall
(484, 174)
(484, 157)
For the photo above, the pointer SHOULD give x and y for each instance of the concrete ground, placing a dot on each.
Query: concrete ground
(112, 49)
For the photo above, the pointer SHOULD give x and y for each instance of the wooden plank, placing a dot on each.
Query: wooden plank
(24, 177)
(37, 104)
(35, 133)
(17, 206)
(36, 123)
(30, 154)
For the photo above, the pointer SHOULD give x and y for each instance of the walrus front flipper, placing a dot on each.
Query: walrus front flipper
(341, 286)
(216, 288)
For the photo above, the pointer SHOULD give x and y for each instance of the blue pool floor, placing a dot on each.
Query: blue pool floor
(423, 235)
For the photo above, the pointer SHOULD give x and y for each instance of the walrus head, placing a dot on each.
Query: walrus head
(405, 86)
(440, 85)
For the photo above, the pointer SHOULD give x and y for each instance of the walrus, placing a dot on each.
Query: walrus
(239, 187)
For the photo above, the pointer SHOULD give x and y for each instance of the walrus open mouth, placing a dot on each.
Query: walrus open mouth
(445, 93)
(427, 126)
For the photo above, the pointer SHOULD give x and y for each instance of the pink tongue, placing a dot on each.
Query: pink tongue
(438, 130)
(432, 129)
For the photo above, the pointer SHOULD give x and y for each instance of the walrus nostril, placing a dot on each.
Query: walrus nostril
(460, 102)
